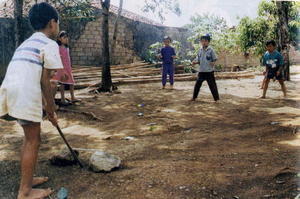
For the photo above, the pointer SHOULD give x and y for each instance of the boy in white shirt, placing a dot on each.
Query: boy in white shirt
(27, 81)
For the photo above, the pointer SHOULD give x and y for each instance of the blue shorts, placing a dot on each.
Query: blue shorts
(24, 122)
(273, 74)
(20, 121)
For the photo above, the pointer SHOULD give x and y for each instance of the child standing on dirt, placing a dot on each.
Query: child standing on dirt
(64, 77)
(273, 61)
(167, 55)
(27, 81)
(207, 59)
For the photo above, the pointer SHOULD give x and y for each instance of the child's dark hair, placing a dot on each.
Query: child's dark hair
(206, 37)
(40, 14)
(271, 42)
(167, 38)
(60, 35)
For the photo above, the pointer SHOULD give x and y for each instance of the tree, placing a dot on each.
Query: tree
(18, 15)
(106, 83)
(223, 37)
(277, 20)
(153, 5)
(161, 7)
(283, 10)
(253, 34)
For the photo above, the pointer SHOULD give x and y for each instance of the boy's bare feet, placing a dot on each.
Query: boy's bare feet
(36, 194)
(163, 87)
(39, 180)
(263, 97)
(171, 87)
(193, 100)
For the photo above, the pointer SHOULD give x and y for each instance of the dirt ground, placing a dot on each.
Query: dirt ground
(242, 147)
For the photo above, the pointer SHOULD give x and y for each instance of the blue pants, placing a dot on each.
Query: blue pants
(168, 69)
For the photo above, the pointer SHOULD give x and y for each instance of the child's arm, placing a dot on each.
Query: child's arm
(214, 58)
(48, 96)
(266, 71)
(52, 61)
(160, 54)
(281, 65)
(174, 54)
(196, 60)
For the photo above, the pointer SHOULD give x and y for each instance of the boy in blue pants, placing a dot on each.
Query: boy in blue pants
(168, 55)
(26, 84)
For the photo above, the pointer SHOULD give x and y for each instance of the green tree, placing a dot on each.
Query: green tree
(150, 5)
(277, 20)
(161, 7)
(223, 38)
(253, 33)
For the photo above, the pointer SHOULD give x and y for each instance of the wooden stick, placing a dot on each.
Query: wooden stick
(69, 147)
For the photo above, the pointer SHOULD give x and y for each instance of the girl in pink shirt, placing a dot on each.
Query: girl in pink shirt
(65, 77)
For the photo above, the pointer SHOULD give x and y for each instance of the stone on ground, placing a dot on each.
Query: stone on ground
(101, 161)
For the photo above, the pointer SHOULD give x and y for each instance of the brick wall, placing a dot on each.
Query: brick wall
(87, 50)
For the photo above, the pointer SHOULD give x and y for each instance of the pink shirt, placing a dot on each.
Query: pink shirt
(67, 71)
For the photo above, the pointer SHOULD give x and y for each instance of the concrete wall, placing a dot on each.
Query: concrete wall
(229, 60)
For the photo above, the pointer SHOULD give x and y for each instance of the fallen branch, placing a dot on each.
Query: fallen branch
(90, 115)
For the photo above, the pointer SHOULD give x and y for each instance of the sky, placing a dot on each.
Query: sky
(228, 9)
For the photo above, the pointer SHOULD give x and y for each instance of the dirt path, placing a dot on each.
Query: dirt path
(191, 150)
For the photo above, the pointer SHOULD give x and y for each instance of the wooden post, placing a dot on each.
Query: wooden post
(106, 83)
(283, 8)
(18, 15)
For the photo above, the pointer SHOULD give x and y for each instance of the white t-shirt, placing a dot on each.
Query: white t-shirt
(21, 93)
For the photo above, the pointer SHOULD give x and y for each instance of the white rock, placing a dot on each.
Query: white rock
(102, 161)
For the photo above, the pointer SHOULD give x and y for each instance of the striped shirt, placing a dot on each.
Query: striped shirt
(20, 93)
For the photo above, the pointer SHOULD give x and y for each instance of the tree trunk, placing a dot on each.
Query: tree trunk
(283, 8)
(18, 15)
(114, 43)
(106, 84)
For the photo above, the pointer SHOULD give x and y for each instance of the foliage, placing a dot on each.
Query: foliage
(161, 7)
(206, 23)
(74, 8)
(153, 52)
(253, 33)
(223, 37)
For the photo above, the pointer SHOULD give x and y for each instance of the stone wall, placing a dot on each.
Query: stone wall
(87, 50)
(133, 39)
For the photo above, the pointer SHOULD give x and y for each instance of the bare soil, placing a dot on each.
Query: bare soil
(242, 147)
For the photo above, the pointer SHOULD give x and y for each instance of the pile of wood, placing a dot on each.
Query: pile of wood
(140, 73)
